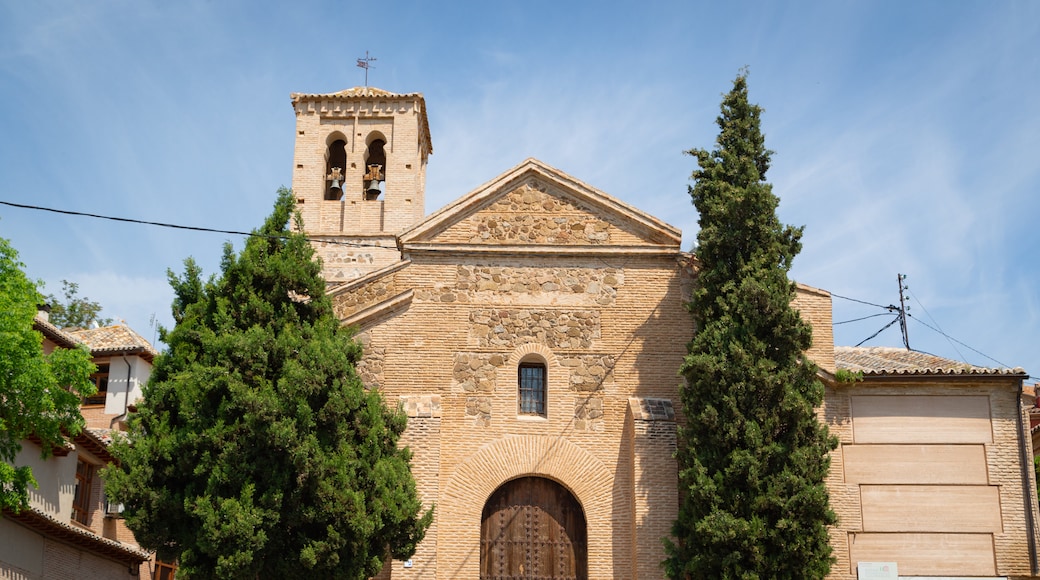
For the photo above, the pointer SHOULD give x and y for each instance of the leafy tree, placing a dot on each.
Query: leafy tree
(74, 310)
(752, 455)
(257, 452)
(39, 394)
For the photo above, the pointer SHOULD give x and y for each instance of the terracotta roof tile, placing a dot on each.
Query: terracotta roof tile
(103, 436)
(360, 92)
(885, 360)
(116, 339)
(55, 334)
(48, 525)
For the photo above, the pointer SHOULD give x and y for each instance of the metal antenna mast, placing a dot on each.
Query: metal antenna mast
(366, 63)
(901, 278)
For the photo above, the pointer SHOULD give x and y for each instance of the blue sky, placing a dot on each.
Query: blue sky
(906, 133)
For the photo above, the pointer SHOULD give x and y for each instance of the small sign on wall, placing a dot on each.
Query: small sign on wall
(877, 570)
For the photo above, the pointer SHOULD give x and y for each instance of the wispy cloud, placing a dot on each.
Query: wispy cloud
(905, 136)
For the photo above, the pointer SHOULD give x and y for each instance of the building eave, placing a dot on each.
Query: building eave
(50, 527)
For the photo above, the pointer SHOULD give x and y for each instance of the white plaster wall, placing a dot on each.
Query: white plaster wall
(56, 479)
(118, 387)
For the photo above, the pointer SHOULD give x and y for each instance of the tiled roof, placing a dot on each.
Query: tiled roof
(104, 436)
(887, 361)
(55, 334)
(97, 442)
(361, 92)
(46, 524)
(116, 339)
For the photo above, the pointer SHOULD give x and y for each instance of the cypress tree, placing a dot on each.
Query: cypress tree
(257, 452)
(752, 455)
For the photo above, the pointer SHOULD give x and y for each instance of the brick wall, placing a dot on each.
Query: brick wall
(358, 120)
(938, 424)
(607, 332)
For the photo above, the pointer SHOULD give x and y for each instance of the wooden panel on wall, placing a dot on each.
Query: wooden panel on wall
(926, 554)
(922, 464)
(930, 508)
(921, 419)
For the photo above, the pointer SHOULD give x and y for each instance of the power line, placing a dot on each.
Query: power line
(889, 307)
(863, 318)
(902, 313)
(182, 227)
(948, 337)
(932, 318)
(894, 320)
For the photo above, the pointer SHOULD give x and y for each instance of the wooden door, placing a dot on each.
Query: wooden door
(533, 529)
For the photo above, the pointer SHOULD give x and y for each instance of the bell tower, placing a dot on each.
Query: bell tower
(359, 174)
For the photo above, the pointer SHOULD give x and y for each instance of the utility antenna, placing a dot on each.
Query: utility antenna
(903, 308)
(366, 63)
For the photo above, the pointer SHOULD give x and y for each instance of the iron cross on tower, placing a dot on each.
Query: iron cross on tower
(366, 63)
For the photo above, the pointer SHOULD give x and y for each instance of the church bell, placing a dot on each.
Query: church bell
(373, 190)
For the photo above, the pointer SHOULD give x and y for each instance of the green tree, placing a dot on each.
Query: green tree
(752, 455)
(257, 452)
(74, 310)
(39, 394)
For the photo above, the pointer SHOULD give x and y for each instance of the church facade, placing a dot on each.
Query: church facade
(532, 331)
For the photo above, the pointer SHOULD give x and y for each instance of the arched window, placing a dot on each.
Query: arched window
(531, 383)
(336, 163)
(375, 169)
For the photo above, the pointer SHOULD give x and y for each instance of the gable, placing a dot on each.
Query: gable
(535, 205)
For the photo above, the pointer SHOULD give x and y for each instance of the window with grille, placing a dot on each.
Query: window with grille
(531, 379)
(81, 500)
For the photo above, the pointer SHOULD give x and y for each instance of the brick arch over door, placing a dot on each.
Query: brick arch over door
(461, 505)
(532, 527)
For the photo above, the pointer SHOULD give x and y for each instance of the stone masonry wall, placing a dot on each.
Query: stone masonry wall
(535, 212)
(567, 329)
(489, 282)
(347, 303)
(470, 322)
(342, 262)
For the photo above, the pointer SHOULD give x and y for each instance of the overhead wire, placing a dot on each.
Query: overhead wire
(940, 330)
(889, 307)
(894, 320)
(948, 337)
(863, 318)
(182, 227)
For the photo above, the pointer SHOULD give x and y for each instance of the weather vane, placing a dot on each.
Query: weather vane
(366, 63)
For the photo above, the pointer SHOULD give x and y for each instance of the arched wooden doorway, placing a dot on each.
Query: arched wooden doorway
(533, 528)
